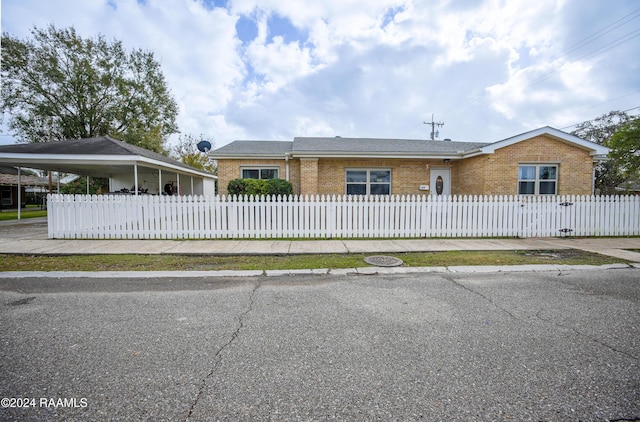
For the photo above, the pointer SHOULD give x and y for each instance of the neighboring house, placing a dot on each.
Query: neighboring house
(542, 161)
(32, 187)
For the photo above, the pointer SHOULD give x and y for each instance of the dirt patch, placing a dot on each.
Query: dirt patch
(556, 254)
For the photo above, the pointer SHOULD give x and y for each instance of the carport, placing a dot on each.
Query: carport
(130, 169)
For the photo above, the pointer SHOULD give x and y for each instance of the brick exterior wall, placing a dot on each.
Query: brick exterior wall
(497, 174)
(406, 175)
(492, 174)
(467, 176)
(309, 178)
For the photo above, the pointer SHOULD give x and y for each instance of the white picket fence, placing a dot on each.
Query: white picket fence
(220, 217)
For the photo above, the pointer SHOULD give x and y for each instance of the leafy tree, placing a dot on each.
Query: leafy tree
(600, 129)
(609, 174)
(187, 153)
(61, 86)
(79, 186)
(625, 149)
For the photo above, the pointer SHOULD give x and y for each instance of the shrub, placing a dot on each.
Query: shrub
(280, 187)
(237, 187)
(257, 187)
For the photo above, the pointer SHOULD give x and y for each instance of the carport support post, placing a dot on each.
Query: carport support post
(178, 180)
(160, 182)
(19, 192)
(135, 178)
(87, 185)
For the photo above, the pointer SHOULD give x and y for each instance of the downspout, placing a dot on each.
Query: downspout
(286, 165)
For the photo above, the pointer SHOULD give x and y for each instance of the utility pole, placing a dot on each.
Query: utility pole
(433, 127)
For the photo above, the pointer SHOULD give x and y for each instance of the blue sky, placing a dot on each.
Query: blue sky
(275, 69)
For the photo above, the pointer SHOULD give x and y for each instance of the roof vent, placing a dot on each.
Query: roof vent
(447, 139)
(338, 136)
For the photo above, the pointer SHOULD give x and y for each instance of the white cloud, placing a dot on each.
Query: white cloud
(373, 68)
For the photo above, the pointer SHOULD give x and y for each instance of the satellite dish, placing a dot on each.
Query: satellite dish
(204, 146)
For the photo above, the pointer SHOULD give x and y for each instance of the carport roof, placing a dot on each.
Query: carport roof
(102, 156)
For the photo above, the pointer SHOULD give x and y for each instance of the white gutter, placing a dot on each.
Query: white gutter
(451, 156)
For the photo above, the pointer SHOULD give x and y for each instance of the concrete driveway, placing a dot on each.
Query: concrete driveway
(551, 346)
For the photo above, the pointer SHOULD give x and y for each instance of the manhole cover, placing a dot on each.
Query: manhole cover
(383, 261)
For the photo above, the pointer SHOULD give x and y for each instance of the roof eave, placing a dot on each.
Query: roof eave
(27, 160)
(593, 148)
(474, 153)
(239, 156)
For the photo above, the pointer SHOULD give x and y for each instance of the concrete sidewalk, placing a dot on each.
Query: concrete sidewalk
(29, 236)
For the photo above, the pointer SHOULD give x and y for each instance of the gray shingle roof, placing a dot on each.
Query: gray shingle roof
(347, 146)
(102, 145)
(377, 145)
(310, 147)
(254, 148)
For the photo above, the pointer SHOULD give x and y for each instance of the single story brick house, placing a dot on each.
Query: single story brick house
(542, 161)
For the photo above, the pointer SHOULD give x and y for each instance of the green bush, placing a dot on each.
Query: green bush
(257, 187)
(237, 187)
(280, 187)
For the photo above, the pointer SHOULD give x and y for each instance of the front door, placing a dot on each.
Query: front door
(440, 181)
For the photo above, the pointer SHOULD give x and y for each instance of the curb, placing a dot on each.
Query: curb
(319, 271)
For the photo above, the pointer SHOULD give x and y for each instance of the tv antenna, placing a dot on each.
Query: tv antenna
(434, 132)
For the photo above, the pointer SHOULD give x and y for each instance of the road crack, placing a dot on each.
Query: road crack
(488, 299)
(217, 357)
(583, 335)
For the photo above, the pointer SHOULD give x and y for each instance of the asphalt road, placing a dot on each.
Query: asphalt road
(498, 346)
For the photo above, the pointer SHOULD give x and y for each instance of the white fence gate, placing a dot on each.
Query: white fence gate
(220, 217)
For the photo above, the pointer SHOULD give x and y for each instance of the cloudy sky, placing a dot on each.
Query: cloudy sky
(275, 69)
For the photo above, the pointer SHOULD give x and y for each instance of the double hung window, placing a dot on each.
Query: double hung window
(260, 173)
(368, 182)
(539, 179)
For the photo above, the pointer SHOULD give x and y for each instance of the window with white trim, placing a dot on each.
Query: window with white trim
(537, 179)
(368, 182)
(259, 172)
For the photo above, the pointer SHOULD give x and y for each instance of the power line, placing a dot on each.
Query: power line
(586, 56)
(612, 100)
(468, 104)
(584, 121)
(587, 39)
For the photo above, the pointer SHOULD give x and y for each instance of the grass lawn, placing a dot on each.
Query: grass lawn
(275, 262)
(25, 213)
